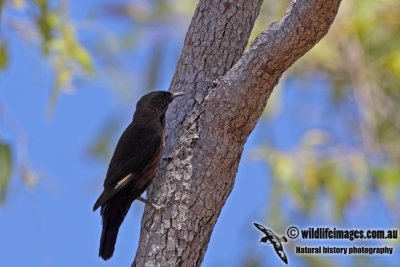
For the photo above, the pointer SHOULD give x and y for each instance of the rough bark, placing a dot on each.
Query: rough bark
(207, 129)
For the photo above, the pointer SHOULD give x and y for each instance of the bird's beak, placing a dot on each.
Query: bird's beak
(175, 95)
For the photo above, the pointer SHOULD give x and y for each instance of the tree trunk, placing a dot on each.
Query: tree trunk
(207, 129)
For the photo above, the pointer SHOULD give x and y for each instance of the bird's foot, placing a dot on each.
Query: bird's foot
(215, 83)
(145, 201)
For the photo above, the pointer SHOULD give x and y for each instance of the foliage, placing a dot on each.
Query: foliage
(50, 28)
(3, 55)
(360, 57)
(5, 169)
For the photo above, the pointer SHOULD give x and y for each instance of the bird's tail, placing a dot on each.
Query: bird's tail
(113, 213)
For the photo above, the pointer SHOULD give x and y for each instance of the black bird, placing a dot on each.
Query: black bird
(133, 165)
(274, 240)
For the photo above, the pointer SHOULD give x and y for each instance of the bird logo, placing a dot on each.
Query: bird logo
(274, 240)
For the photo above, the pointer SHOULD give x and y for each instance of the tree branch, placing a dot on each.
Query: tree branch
(243, 91)
(207, 130)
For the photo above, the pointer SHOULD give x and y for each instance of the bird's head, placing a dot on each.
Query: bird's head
(155, 104)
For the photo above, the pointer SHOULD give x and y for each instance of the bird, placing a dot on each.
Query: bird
(133, 165)
(274, 240)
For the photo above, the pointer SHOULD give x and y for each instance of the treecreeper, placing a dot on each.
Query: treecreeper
(133, 165)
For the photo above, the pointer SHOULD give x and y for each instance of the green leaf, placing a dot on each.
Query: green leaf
(74, 49)
(5, 169)
(3, 56)
(1, 6)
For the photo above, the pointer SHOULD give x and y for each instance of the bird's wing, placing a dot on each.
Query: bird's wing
(108, 193)
(262, 228)
(136, 149)
(279, 250)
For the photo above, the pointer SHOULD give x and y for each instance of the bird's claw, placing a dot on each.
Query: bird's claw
(156, 207)
(145, 201)
(215, 83)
